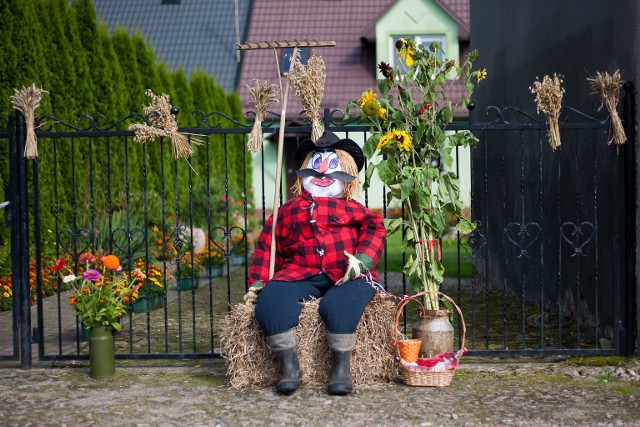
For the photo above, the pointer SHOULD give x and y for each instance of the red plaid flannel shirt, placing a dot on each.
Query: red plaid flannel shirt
(312, 235)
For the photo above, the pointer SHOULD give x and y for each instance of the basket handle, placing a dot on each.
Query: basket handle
(398, 314)
(415, 297)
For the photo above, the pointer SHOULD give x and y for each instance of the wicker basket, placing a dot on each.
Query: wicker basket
(418, 375)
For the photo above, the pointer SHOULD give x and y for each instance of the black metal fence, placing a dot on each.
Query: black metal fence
(545, 272)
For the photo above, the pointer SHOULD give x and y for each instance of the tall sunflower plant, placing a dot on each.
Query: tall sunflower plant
(411, 150)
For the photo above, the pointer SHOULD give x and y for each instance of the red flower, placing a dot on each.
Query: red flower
(426, 108)
(59, 264)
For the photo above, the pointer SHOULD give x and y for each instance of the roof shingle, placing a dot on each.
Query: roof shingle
(192, 34)
(350, 68)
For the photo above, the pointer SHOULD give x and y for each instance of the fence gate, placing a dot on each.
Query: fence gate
(544, 273)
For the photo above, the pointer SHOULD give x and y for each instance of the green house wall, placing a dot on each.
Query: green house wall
(416, 17)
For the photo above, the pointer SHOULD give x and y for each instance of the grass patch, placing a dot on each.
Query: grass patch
(394, 257)
(597, 361)
(625, 390)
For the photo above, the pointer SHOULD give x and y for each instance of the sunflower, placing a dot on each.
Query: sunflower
(384, 139)
(368, 96)
(386, 70)
(370, 106)
(482, 74)
(382, 113)
(401, 138)
(406, 53)
(404, 141)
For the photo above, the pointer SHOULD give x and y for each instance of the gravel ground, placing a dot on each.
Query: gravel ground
(520, 392)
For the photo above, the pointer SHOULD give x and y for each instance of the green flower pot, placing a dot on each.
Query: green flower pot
(214, 270)
(141, 305)
(186, 283)
(157, 301)
(102, 352)
(237, 260)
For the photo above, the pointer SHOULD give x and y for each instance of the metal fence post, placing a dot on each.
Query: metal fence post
(20, 245)
(629, 118)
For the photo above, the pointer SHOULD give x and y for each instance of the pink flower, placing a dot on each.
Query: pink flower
(91, 275)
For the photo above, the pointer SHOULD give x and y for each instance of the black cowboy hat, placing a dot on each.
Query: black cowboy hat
(329, 140)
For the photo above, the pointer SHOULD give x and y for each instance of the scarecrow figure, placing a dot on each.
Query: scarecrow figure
(327, 245)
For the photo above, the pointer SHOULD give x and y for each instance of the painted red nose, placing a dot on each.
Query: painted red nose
(324, 166)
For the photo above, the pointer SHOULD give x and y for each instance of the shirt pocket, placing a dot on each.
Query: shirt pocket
(342, 227)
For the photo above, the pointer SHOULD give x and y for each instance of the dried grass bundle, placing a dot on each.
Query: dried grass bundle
(26, 100)
(250, 363)
(549, 93)
(163, 124)
(308, 84)
(608, 86)
(263, 95)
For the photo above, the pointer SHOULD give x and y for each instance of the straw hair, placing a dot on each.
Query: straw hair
(351, 189)
(608, 87)
(549, 93)
(308, 85)
(263, 94)
(250, 362)
(26, 100)
(163, 124)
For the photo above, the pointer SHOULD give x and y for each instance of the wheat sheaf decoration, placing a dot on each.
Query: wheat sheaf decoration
(549, 93)
(162, 123)
(308, 84)
(26, 100)
(608, 87)
(264, 94)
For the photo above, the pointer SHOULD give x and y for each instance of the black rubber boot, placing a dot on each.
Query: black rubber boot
(341, 382)
(290, 368)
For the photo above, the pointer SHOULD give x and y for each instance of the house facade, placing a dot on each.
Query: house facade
(365, 33)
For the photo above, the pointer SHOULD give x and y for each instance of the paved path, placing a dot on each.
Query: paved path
(514, 392)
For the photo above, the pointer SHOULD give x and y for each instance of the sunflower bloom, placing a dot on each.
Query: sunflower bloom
(401, 138)
(382, 113)
(386, 70)
(371, 108)
(407, 54)
(482, 74)
(368, 96)
(384, 140)
(404, 141)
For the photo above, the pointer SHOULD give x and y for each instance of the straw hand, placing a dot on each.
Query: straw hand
(251, 297)
(358, 264)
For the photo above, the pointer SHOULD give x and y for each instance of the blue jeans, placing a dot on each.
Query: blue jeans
(279, 304)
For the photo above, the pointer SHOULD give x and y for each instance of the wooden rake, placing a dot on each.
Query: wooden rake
(275, 45)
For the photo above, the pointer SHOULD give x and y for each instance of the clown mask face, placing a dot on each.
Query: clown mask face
(323, 176)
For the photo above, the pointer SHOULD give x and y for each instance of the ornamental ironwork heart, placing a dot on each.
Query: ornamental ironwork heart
(70, 240)
(221, 237)
(522, 236)
(582, 234)
(130, 239)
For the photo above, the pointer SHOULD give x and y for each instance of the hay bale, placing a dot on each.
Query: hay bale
(251, 363)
